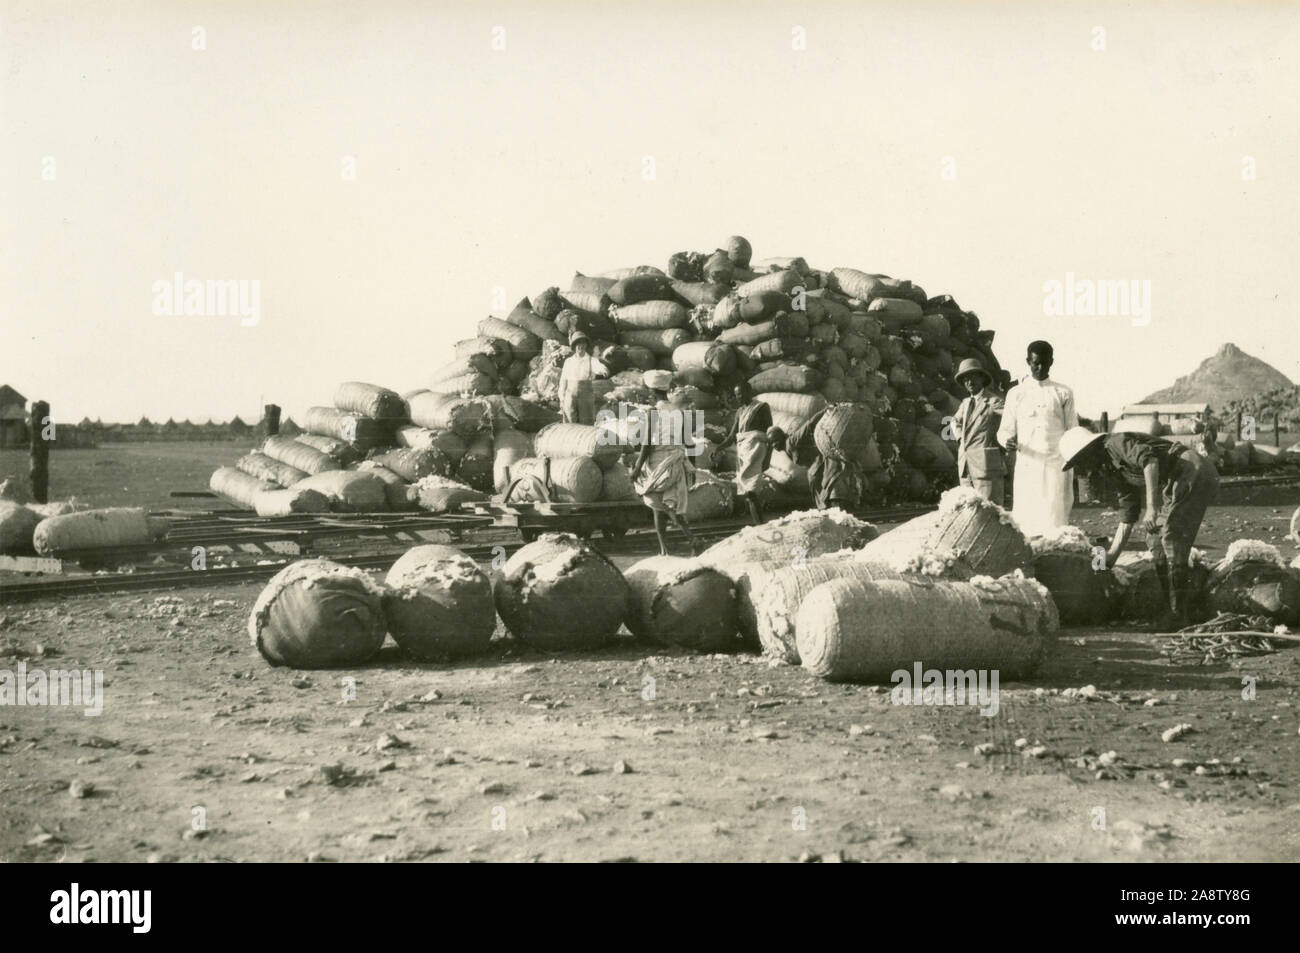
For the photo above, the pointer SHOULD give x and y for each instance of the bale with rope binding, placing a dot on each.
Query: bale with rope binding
(301, 456)
(678, 601)
(316, 613)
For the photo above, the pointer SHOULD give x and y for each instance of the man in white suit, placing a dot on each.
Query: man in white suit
(1038, 412)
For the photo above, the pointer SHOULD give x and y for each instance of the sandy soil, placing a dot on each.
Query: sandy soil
(623, 755)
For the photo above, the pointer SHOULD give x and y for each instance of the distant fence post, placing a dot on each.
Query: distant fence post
(271, 419)
(40, 452)
(1105, 422)
(1277, 431)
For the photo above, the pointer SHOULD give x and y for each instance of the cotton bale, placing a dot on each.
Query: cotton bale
(636, 289)
(289, 501)
(476, 466)
(710, 497)
(1253, 579)
(498, 351)
(1081, 585)
(508, 448)
(262, 467)
(438, 604)
(398, 492)
(739, 250)
(660, 343)
(649, 315)
(571, 479)
(719, 267)
(447, 442)
(475, 364)
(697, 293)
(576, 440)
(435, 494)
(97, 529)
(807, 532)
(340, 451)
(581, 282)
(791, 378)
(414, 464)
(657, 380)
(238, 487)
(616, 484)
(349, 491)
(17, 528)
(559, 593)
(465, 416)
(363, 433)
(678, 601)
(855, 630)
(523, 343)
(369, 400)
(316, 613)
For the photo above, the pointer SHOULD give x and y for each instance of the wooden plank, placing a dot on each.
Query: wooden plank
(41, 564)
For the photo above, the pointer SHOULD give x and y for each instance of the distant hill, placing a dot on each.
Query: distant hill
(1229, 375)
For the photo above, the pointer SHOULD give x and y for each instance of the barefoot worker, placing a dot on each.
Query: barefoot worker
(1038, 411)
(1187, 481)
(753, 448)
(661, 476)
(577, 394)
(979, 458)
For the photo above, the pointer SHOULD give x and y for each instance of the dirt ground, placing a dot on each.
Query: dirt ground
(204, 752)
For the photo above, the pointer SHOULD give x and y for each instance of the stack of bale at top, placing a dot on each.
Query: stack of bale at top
(375, 450)
(683, 337)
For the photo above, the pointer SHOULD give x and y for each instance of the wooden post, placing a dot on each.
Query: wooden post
(1105, 422)
(40, 452)
(1277, 432)
(1236, 434)
(271, 419)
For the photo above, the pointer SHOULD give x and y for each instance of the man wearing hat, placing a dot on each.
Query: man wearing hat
(979, 457)
(1144, 466)
(577, 396)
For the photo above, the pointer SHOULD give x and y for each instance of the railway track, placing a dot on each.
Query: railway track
(142, 580)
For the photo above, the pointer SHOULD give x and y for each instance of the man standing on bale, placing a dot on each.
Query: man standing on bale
(1038, 411)
(1187, 481)
(577, 394)
(979, 458)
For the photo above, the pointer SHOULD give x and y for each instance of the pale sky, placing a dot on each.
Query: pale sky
(478, 168)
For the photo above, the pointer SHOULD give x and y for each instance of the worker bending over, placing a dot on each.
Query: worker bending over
(1149, 468)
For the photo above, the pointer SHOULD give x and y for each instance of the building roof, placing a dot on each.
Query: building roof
(9, 396)
(1137, 410)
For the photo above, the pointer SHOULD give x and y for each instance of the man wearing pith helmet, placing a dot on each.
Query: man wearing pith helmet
(975, 425)
(577, 394)
(1187, 482)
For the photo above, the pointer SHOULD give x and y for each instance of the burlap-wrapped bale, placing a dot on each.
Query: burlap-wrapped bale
(476, 466)
(364, 433)
(1064, 562)
(788, 378)
(559, 593)
(846, 428)
(341, 452)
(238, 487)
(710, 497)
(966, 523)
(638, 288)
(576, 440)
(399, 494)
(519, 413)
(852, 630)
(447, 442)
(523, 343)
(500, 352)
(370, 400)
(17, 527)
(467, 385)
(739, 250)
(616, 485)
(572, 479)
(439, 604)
(807, 533)
(649, 315)
(797, 405)
(262, 467)
(437, 494)
(678, 601)
(1137, 594)
(508, 448)
(318, 614)
(463, 367)
(660, 343)
(349, 491)
(298, 454)
(287, 502)
(97, 529)
(411, 464)
(465, 416)
(1253, 579)
(769, 594)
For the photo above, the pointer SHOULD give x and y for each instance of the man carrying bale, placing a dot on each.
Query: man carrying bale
(661, 476)
(750, 431)
(1188, 482)
(1038, 411)
(577, 394)
(976, 423)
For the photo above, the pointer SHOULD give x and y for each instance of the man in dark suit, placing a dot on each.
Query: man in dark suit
(979, 456)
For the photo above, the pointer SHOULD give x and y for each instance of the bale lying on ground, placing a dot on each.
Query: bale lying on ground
(852, 630)
(1253, 579)
(678, 601)
(559, 593)
(439, 604)
(1065, 563)
(807, 533)
(1137, 594)
(769, 595)
(318, 614)
(17, 527)
(97, 529)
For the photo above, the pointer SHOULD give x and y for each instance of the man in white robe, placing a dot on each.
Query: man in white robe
(1038, 411)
